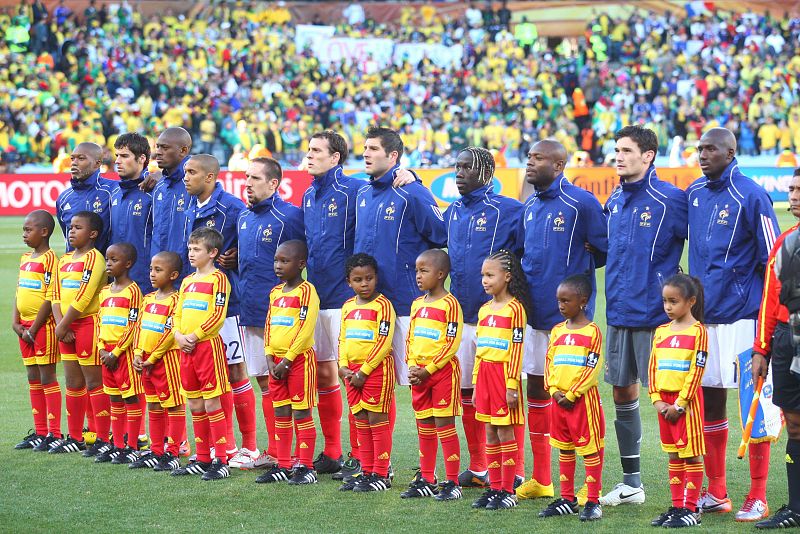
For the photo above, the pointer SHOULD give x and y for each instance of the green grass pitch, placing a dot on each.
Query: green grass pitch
(42, 493)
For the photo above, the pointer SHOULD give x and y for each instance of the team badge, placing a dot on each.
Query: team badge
(181, 203)
(644, 218)
(47, 278)
(517, 335)
(87, 275)
(701, 358)
(137, 208)
(722, 216)
(168, 324)
(219, 300)
(267, 234)
(133, 315)
(97, 205)
(303, 312)
(210, 223)
(383, 329)
(333, 209)
(389, 214)
(480, 223)
(452, 329)
(558, 223)
(591, 360)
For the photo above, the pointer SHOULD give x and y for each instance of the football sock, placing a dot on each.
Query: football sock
(38, 407)
(793, 473)
(628, 426)
(244, 402)
(539, 433)
(495, 460)
(284, 428)
(382, 443)
(509, 455)
(100, 408)
(566, 469)
(176, 427)
(218, 430)
(392, 413)
(759, 469)
(451, 450)
(306, 440)
(519, 438)
(89, 414)
(354, 440)
(52, 395)
(269, 420)
(119, 422)
(157, 417)
(716, 437)
(366, 449)
(329, 409)
(677, 482)
(594, 476)
(428, 447)
(226, 399)
(76, 410)
(694, 480)
(134, 412)
(202, 432)
(475, 433)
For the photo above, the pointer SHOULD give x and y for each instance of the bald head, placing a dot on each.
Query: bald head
(200, 175)
(177, 136)
(715, 151)
(436, 258)
(93, 150)
(172, 146)
(42, 219)
(207, 163)
(546, 160)
(294, 248)
(721, 137)
(552, 149)
(85, 160)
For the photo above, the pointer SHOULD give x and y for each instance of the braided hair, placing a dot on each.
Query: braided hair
(483, 161)
(518, 286)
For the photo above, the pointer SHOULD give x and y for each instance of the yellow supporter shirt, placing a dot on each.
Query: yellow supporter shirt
(35, 284)
(79, 282)
(118, 315)
(500, 334)
(366, 333)
(154, 335)
(202, 304)
(435, 332)
(677, 362)
(574, 360)
(291, 318)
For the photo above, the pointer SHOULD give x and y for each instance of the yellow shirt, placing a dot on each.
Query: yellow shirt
(154, 335)
(291, 319)
(80, 282)
(677, 362)
(202, 304)
(366, 333)
(574, 360)
(35, 283)
(499, 337)
(119, 313)
(435, 332)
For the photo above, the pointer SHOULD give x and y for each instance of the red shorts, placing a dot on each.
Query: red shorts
(123, 381)
(489, 396)
(299, 387)
(44, 349)
(439, 395)
(583, 428)
(378, 389)
(684, 436)
(84, 348)
(204, 372)
(162, 381)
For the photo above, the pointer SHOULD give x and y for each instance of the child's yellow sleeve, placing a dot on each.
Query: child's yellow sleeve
(594, 363)
(309, 311)
(383, 342)
(222, 293)
(92, 280)
(452, 336)
(126, 339)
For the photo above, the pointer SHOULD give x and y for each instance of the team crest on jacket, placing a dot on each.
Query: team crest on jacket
(558, 223)
(480, 224)
(722, 216)
(333, 209)
(389, 213)
(97, 205)
(267, 235)
(181, 203)
(210, 223)
(137, 208)
(644, 218)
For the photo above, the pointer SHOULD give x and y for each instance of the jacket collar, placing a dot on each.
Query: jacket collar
(128, 185)
(321, 182)
(178, 172)
(212, 200)
(386, 180)
(266, 204)
(725, 178)
(87, 184)
(475, 196)
(633, 187)
(555, 188)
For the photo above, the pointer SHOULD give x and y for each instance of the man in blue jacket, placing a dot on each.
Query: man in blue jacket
(268, 222)
(732, 228)
(565, 234)
(170, 199)
(131, 208)
(395, 225)
(87, 191)
(210, 206)
(478, 224)
(647, 228)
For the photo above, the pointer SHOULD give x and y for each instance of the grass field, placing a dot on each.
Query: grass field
(69, 493)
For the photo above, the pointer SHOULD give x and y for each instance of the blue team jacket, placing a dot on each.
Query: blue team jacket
(132, 222)
(647, 227)
(92, 194)
(221, 212)
(479, 224)
(732, 228)
(329, 215)
(395, 225)
(261, 229)
(557, 224)
(170, 202)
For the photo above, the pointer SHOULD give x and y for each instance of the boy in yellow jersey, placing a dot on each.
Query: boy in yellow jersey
(81, 276)
(34, 325)
(573, 363)
(367, 369)
(157, 359)
(120, 303)
(201, 309)
(435, 375)
(289, 348)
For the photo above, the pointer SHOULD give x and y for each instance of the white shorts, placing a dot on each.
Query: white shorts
(401, 327)
(535, 351)
(725, 343)
(466, 354)
(232, 336)
(326, 335)
(254, 356)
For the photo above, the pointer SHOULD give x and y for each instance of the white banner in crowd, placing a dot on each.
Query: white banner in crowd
(307, 35)
(354, 51)
(441, 55)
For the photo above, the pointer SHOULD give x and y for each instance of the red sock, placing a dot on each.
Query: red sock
(244, 401)
(366, 450)
(218, 427)
(143, 404)
(202, 436)
(52, 395)
(694, 479)
(677, 482)
(428, 447)
(495, 460)
(226, 399)
(382, 444)
(759, 469)
(176, 425)
(76, 411)
(296, 452)
(519, 439)
(330, 420)
(184, 436)
(392, 414)
(566, 470)
(135, 414)
(119, 422)
(594, 476)
(283, 440)
(158, 425)
(269, 420)
(451, 450)
(475, 432)
(716, 437)
(38, 407)
(90, 424)
(509, 453)
(306, 438)
(539, 433)
(100, 407)
(354, 442)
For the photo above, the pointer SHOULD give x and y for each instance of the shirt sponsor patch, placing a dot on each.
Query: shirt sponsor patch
(30, 284)
(592, 359)
(700, 361)
(518, 334)
(281, 320)
(133, 315)
(87, 275)
(452, 329)
(219, 300)
(359, 333)
(191, 304)
(303, 312)
(493, 343)
(383, 328)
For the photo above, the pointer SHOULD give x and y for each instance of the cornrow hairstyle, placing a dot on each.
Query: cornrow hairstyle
(359, 260)
(518, 286)
(483, 161)
(581, 283)
(689, 286)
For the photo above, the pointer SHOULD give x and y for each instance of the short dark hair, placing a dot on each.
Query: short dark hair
(209, 237)
(94, 220)
(390, 140)
(359, 260)
(44, 219)
(273, 168)
(645, 138)
(336, 143)
(136, 143)
(128, 250)
(581, 283)
(172, 258)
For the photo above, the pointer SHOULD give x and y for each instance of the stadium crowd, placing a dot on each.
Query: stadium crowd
(233, 76)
